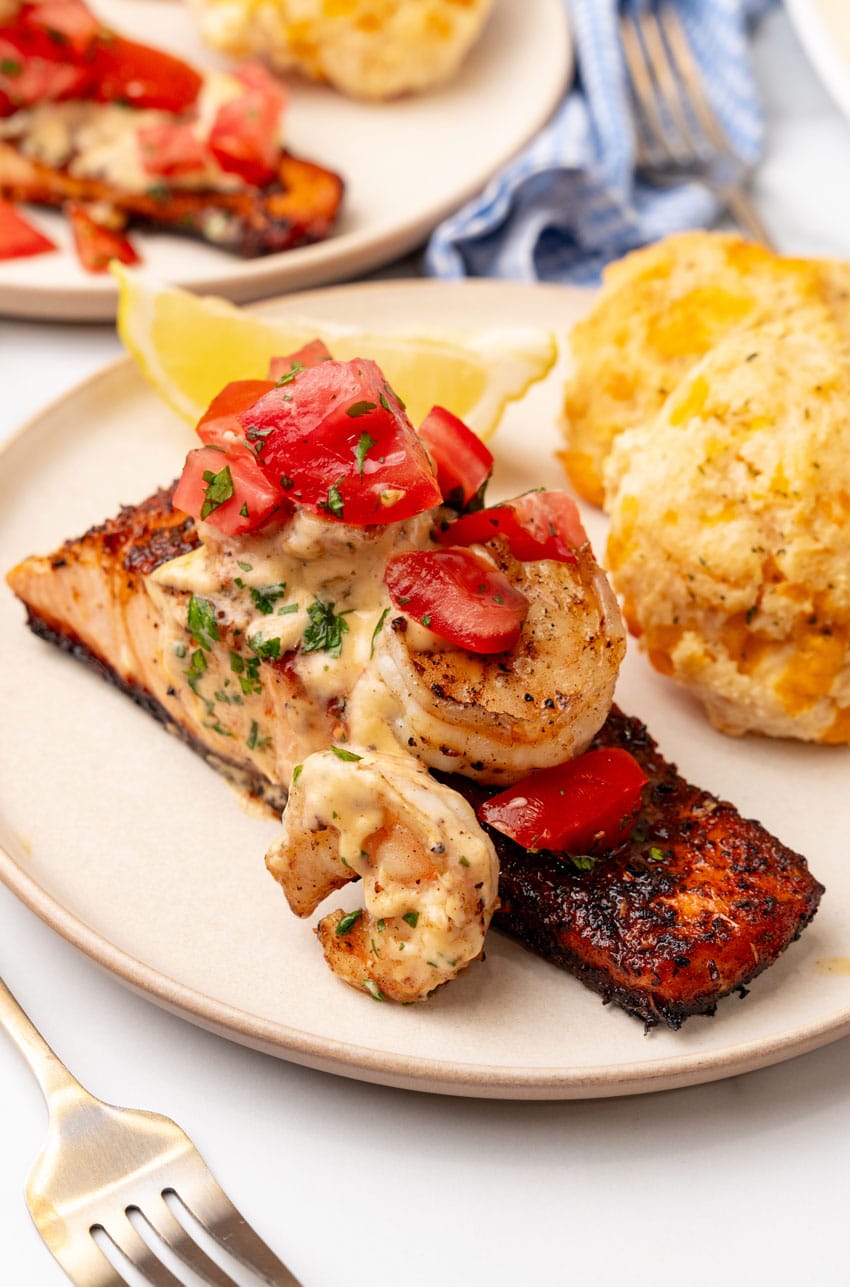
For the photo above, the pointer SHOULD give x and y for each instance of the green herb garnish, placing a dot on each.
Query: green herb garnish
(341, 754)
(265, 599)
(201, 622)
(361, 409)
(412, 919)
(345, 923)
(219, 490)
(325, 630)
(364, 442)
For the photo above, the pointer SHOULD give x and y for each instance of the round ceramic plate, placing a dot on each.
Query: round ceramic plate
(135, 850)
(824, 30)
(406, 164)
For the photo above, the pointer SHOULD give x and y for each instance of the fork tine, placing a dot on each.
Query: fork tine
(163, 1222)
(122, 1235)
(683, 57)
(82, 1260)
(669, 87)
(654, 134)
(213, 1209)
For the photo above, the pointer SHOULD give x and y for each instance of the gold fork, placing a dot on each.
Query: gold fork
(678, 135)
(103, 1164)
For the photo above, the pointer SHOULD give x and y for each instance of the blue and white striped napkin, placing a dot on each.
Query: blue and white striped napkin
(570, 203)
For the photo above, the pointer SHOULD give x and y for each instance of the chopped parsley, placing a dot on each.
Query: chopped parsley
(361, 409)
(374, 991)
(412, 919)
(290, 374)
(11, 67)
(381, 619)
(364, 443)
(201, 622)
(219, 490)
(265, 598)
(253, 741)
(582, 862)
(325, 630)
(334, 503)
(655, 854)
(345, 923)
(246, 567)
(341, 754)
(265, 649)
(296, 773)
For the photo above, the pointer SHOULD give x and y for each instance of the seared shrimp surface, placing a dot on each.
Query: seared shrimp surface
(497, 718)
(430, 875)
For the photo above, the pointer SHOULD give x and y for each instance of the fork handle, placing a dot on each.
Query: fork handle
(52, 1075)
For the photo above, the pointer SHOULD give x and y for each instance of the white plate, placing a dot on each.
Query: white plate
(824, 30)
(406, 164)
(136, 851)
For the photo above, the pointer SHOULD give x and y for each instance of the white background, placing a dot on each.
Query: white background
(741, 1181)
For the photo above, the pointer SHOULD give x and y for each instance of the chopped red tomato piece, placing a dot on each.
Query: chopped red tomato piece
(337, 440)
(61, 29)
(141, 76)
(538, 525)
(26, 78)
(19, 239)
(220, 424)
(226, 489)
(95, 244)
(463, 462)
(172, 148)
(584, 806)
(245, 135)
(458, 596)
(308, 355)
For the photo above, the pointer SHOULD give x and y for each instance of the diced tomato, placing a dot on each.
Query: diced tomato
(172, 148)
(338, 437)
(95, 244)
(308, 355)
(538, 525)
(60, 29)
(19, 239)
(585, 806)
(226, 489)
(245, 135)
(26, 78)
(220, 424)
(141, 76)
(458, 596)
(463, 462)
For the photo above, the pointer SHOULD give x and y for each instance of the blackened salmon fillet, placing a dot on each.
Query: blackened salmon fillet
(697, 903)
(692, 907)
(298, 208)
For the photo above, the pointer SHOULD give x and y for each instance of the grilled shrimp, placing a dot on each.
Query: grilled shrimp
(430, 874)
(496, 718)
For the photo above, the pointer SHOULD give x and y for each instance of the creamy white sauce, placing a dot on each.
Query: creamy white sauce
(101, 140)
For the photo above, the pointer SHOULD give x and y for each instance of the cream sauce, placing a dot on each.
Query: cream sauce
(101, 140)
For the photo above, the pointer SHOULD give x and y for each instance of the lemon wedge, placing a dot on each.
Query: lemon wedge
(188, 347)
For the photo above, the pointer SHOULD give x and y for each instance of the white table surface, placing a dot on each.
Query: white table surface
(743, 1181)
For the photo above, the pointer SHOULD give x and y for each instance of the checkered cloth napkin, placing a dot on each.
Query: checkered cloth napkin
(570, 202)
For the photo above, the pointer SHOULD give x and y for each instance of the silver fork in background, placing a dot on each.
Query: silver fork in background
(677, 133)
(103, 1164)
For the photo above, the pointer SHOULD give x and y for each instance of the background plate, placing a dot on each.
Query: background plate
(824, 30)
(132, 848)
(406, 164)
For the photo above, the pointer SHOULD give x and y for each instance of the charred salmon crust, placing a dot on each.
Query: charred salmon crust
(298, 208)
(695, 905)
